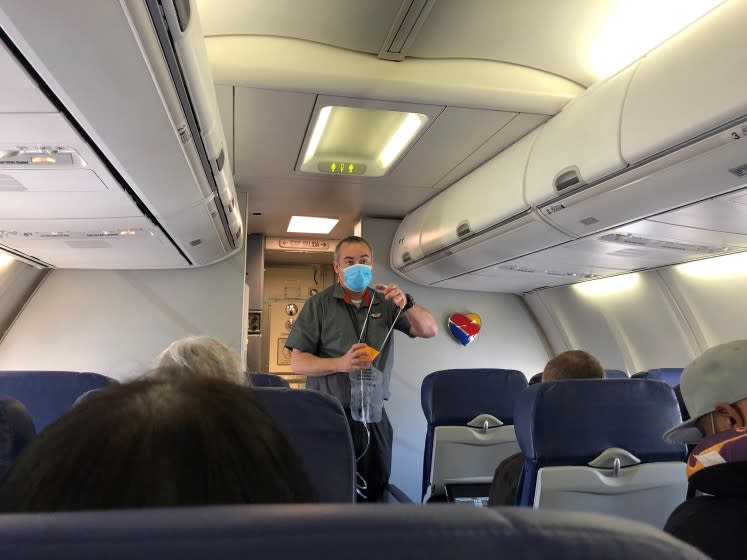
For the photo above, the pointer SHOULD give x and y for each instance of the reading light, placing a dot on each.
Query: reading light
(307, 224)
(359, 140)
(728, 265)
(635, 27)
(607, 286)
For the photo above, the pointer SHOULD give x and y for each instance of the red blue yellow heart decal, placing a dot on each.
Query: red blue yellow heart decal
(464, 327)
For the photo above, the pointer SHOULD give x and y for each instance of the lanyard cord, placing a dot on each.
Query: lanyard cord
(389, 332)
(365, 322)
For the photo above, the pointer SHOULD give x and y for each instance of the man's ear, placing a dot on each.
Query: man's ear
(728, 411)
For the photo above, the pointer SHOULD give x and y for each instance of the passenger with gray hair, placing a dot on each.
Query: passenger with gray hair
(199, 356)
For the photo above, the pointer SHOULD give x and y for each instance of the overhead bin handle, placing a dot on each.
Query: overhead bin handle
(568, 178)
(406, 257)
(463, 229)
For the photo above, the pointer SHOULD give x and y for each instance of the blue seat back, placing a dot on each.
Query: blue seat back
(317, 428)
(321, 532)
(16, 432)
(266, 380)
(567, 423)
(670, 376)
(453, 397)
(615, 374)
(47, 395)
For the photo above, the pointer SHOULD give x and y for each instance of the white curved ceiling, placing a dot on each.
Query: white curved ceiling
(271, 58)
(563, 37)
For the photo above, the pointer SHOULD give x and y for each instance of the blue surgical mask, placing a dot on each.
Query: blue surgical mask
(357, 276)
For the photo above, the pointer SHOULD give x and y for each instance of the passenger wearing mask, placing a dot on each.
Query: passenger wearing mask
(202, 356)
(714, 389)
(573, 364)
(331, 337)
(155, 443)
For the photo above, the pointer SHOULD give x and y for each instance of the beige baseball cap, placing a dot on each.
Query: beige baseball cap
(718, 375)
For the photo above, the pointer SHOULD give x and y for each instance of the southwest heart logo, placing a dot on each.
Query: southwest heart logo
(464, 327)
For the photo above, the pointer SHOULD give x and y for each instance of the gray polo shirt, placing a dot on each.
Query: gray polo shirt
(328, 326)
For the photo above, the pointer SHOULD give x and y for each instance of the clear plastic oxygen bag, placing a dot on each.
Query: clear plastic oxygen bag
(366, 395)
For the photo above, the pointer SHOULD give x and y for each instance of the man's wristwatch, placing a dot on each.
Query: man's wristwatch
(410, 302)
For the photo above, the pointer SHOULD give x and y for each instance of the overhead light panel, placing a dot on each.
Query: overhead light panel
(717, 267)
(607, 286)
(635, 27)
(359, 141)
(308, 224)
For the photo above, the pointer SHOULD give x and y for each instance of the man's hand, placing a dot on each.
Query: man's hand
(393, 293)
(354, 359)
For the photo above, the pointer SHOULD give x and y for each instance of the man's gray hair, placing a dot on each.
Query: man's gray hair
(200, 356)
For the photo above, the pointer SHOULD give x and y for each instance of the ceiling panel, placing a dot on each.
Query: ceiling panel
(521, 125)
(325, 196)
(456, 133)
(269, 130)
(359, 25)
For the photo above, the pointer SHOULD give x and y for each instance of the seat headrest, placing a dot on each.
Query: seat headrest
(16, 431)
(49, 394)
(266, 380)
(453, 397)
(320, 532)
(670, 376)
(615, 374)
(571, 422)
(317, 428)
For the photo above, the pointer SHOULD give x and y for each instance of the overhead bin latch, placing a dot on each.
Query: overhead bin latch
(463, 229)
(568, 178)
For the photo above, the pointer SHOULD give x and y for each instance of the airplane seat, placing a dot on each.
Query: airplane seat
(317, 428)
(670, 376)
(266, 380)
(470, 425)
(615, 374)
(323, 531)
(49, 394)
(16, 431)
(597, 446)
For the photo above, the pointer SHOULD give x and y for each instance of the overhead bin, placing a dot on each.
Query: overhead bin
(517, 236)
(692, 84)
(486, 196)
(581, 144)
(406, 244)
(480, 220)
(159, 147)
(683, 132)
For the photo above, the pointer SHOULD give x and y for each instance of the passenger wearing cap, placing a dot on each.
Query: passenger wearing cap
(714, 389)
